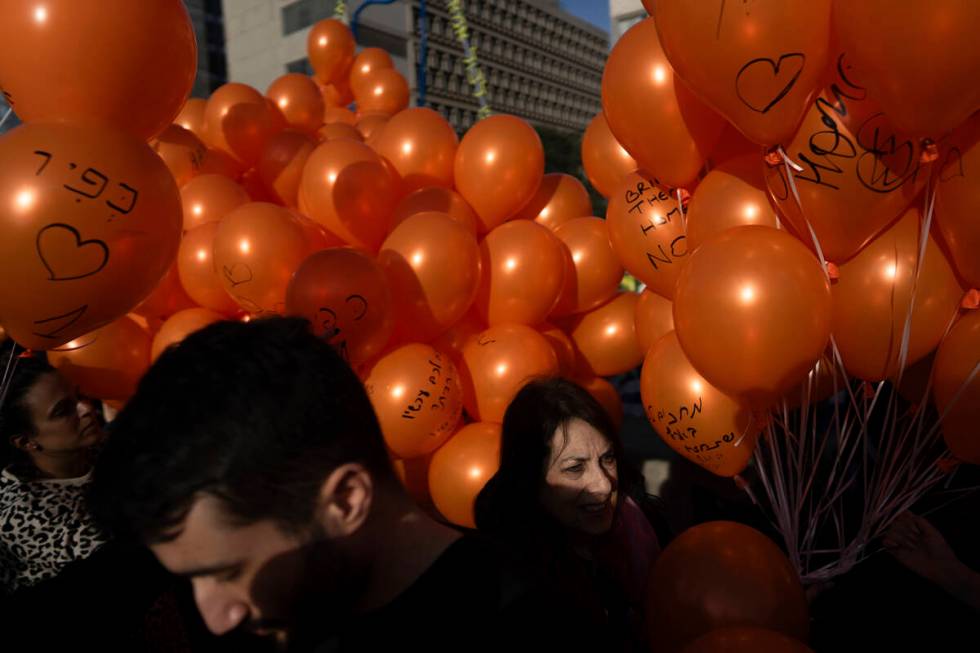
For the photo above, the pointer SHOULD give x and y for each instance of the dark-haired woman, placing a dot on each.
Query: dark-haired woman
(565, 503)
(47, 435)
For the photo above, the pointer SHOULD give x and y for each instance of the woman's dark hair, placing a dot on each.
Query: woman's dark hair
(508, 506)
(18, 374)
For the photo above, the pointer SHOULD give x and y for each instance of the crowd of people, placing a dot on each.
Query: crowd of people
(251, 465)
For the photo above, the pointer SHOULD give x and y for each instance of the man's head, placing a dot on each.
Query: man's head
(248, 461)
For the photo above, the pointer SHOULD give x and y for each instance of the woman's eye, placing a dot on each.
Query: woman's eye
(574, 469)
(609, 459)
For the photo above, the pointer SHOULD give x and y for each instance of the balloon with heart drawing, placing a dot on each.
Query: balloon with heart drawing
(91, 223)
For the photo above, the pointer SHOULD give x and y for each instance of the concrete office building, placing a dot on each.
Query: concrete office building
(540, 62)
(206, 16)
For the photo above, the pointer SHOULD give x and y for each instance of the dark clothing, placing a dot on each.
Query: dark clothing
(470, 599)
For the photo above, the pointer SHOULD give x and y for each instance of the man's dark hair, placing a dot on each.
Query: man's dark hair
(255, 414)
(18, 373)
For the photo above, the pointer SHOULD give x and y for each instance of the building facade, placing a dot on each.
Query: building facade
(540, 62)
(623, 14)
(207, 18)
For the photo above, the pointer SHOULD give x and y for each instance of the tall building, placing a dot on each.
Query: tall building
(623, 14)
(206, 16)
(540, 62)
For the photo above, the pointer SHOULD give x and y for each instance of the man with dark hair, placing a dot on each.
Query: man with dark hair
(250, 461)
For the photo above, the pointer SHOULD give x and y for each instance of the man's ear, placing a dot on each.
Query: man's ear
(345, 500)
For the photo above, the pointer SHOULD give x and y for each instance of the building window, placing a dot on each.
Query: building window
(302, 14)
(300, 66)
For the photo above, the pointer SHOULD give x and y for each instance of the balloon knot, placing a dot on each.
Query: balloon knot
(930, 151)
(947, 465)
(832, 271)
(773, 157)
(971, 300)
(27, 353)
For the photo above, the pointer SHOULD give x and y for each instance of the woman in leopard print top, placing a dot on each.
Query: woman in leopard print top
(47, 435)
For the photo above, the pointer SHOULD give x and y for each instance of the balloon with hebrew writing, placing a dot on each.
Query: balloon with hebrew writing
(857, 176)
(646, 230)
(345, 296)
(182, 151)
(91, 222)
(195, 267)
(416, 394)
(694, 418)
(757, 63)
(117, 62)
(956, 379)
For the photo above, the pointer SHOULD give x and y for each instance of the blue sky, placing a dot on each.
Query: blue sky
(594, 11)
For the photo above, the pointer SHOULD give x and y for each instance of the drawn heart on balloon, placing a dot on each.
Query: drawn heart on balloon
(762, 83)
(66, 256)
(237, 274)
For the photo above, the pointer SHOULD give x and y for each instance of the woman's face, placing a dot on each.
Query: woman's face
(63, 423)
(580, 482)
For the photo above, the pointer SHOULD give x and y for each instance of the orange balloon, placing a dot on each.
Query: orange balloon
(421, 145)
(416, 395)
(605, 393)
(208, 198)
(195, 266)
(126, 64)
(344, 295)
(564, 349)
(455, 338)
(773, 299)
(107, 363)
(217, 162)
(731, 195)
(299, 99)
(596, 270)
(179, 326)
(694, 418)
(433, 267)
(371, 124)
(337, 94)
(90, 222)
(330, 47)
(347, 189)
(335, 130)
(559, 198)
(956, 361)
(166, 299)
(498, 363)
(439, 200)
(191, 116)
(746, 640)
(499, 166)
(857, 177)
(257, 249)
(281, 165)
(182, 152)
(605, 161)
(871, 301)
(317, 236)
(646, 230)
(759, 68)
(367, 62)
(339, 114)
(240, 121)
(384, 90)
(928, 89)
(460, 469)
(606, 336)
(257, 191)
(822, 381)
(722, 574)
(657, 119)
(732, 144)
(523, 273)
(654, 319)
(958, 201)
